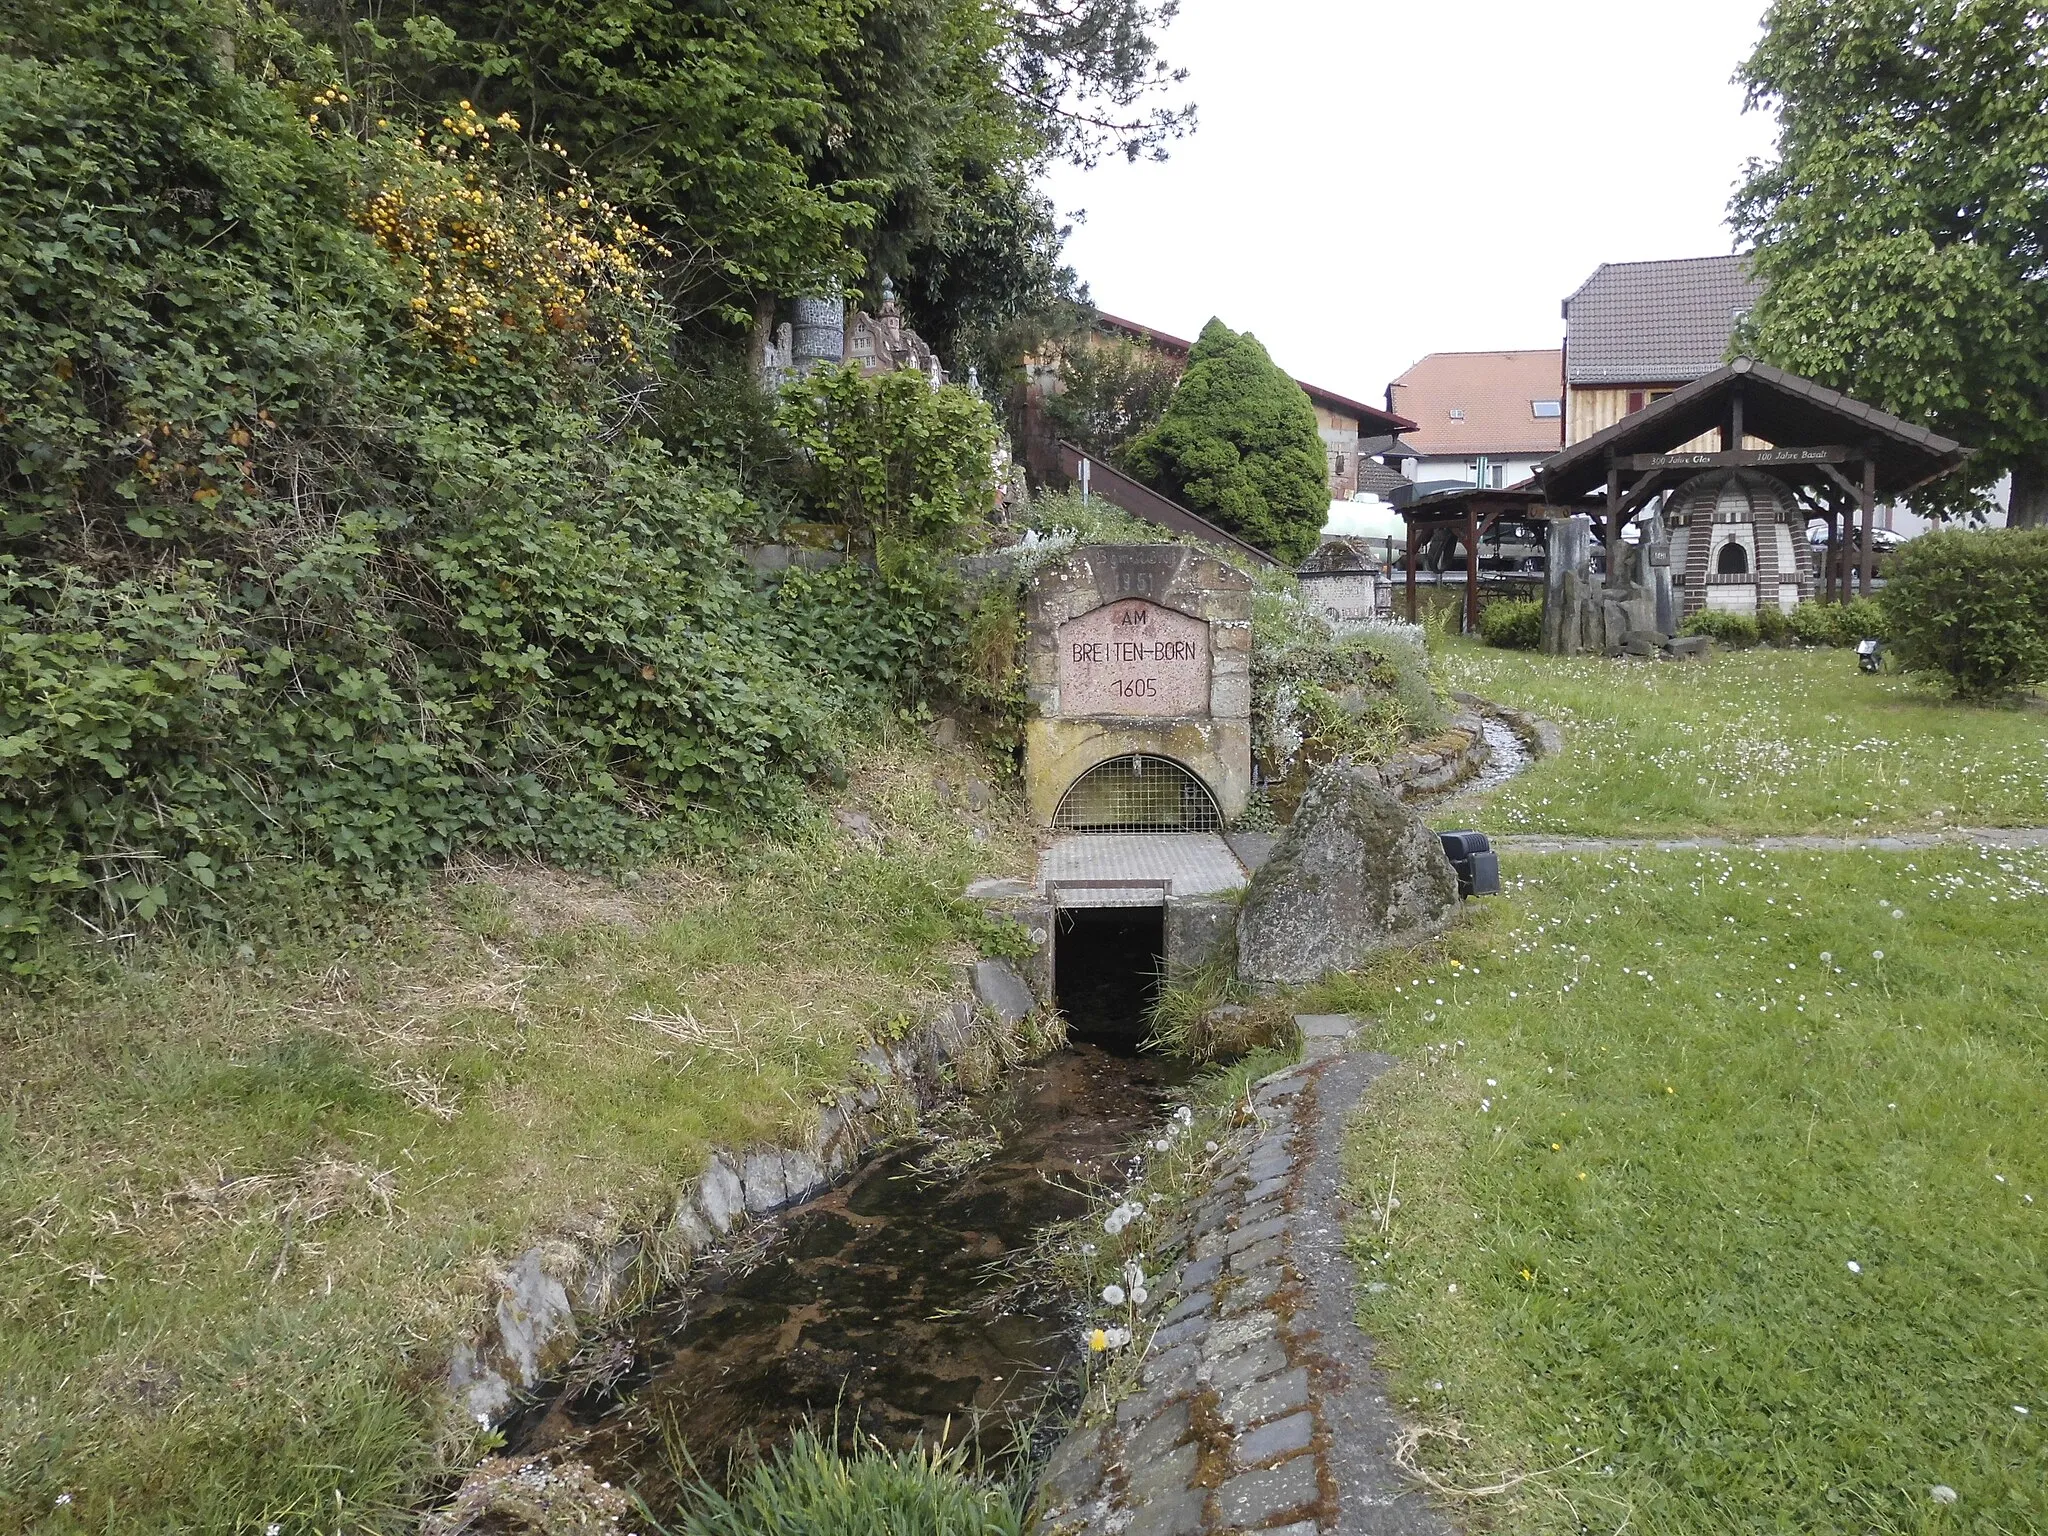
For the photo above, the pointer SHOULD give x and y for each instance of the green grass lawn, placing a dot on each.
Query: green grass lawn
(1722, 1185)
(1763, 741)
(248, 1202)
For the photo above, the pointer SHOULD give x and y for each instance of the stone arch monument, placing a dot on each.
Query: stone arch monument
(1139, 674)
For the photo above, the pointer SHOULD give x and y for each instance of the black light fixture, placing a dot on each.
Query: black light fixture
(1472, 856)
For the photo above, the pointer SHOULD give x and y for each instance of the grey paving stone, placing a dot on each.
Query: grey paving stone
(1189, 1330)
(1257, 1232)
(1202, 1272)
(1254, 1499)
(1188, 1306)
(1266, 1191)
(1165, 1472)
(1282, 1437)
(1141, 1408)
(1265, 1358)
(1210, 1245)
(1255, 1212)
(1252, 1291)
(1268, 1399)
(1265, 1168)
(1248, 1260)
(1069, 1479)
(1325, 1026)
(1299, 1528)
(1237, 1332)
(1166, 1369)
(1173, 1514)
(1158, 1436)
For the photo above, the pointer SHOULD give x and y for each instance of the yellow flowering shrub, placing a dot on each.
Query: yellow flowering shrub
(494, 262)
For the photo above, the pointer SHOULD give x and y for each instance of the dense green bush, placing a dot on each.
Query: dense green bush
(1839, 624)
(1773, 624)
(1734, 630)
(1514, 624)
(1238, 443)
(1972, 606)
(332, 539)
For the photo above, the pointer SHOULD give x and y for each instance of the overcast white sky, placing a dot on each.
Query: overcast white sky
(1373, 180)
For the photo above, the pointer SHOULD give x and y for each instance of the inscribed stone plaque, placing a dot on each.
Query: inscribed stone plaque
(1134, 658)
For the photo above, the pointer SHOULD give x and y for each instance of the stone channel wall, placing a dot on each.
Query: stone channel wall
(1257, 1406)
(549, 1295)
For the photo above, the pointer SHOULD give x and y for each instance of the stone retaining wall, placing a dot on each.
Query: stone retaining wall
(553, 1292)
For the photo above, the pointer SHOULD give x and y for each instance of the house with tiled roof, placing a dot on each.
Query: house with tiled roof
(1481, 418)
(1637, 330)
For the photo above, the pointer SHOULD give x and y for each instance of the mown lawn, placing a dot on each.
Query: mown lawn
(1760, 742)
(247, 1202)
(1722, 1186)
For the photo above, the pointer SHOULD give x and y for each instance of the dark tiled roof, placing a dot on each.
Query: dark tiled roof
(1389, 445)
(1375, 477)
(1781, 409)
(1655, 322)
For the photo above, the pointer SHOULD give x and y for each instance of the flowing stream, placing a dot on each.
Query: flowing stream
(900, 1305)
(904, 1304)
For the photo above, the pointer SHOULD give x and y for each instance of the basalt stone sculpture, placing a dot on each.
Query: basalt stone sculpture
(1358, 872)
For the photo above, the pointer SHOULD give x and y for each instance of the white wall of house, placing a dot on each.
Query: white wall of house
(1502, 471)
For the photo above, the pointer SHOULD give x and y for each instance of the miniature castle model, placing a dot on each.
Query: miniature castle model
(1738, 540)
(821, 331)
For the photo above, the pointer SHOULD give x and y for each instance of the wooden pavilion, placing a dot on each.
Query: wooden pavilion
(1470, 514)
(1838, 458)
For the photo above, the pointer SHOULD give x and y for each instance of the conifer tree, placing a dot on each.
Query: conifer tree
(1239, 444)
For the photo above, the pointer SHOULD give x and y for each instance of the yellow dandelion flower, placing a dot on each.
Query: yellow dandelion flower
(1098, 1341)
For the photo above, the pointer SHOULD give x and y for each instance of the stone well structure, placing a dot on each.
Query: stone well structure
(1139, 653)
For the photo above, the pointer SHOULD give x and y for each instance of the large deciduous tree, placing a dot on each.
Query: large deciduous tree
(1239, 444)
(1902, 229)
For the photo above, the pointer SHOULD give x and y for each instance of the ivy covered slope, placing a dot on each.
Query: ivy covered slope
(338, 531)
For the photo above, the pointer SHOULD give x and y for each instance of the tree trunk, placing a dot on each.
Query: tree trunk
(759, 335)
(2028, 507)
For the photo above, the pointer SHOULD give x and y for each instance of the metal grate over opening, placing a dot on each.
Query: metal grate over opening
(1138, 794)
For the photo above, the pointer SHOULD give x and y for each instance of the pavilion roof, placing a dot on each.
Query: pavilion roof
(1779, 407)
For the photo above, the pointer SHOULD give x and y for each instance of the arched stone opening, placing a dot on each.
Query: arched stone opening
(1732, 561)
(1138, 792)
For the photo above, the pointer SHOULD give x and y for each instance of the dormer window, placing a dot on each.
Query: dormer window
(1546, 410)
(1457, 413)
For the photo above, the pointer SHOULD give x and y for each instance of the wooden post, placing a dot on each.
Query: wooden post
(1735, 419)
(1613, 519)
(1472, 568)
(1829, 564)
(1411, 572)
(1866, 557)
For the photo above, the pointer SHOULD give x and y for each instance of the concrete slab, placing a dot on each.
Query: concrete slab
(1198, 864)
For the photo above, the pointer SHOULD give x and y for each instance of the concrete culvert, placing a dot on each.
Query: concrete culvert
(1107, 963)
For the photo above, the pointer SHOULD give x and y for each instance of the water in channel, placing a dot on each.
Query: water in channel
(886, 1305)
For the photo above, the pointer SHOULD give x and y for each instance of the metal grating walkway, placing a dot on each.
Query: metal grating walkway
(1197, 864)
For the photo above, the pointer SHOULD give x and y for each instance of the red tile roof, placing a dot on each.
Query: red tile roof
(1496, 394)
(1372, 418)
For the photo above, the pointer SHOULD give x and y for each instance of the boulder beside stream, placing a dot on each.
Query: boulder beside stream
(1358, 872)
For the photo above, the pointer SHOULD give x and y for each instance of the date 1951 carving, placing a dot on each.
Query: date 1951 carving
(1134, 658)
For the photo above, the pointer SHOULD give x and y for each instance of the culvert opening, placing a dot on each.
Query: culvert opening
(1107, 963)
